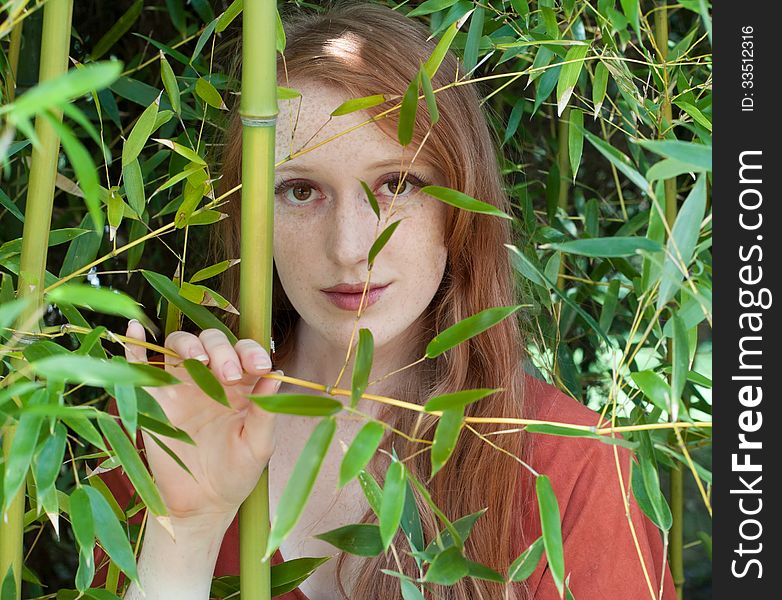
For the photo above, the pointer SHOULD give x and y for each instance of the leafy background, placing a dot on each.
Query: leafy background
(620, 90)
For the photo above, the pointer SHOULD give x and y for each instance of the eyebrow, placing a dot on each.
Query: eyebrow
(305, 169)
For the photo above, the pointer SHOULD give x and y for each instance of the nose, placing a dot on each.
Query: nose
(352, 229)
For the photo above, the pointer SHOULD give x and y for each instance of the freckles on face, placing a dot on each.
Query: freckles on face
(324, 226)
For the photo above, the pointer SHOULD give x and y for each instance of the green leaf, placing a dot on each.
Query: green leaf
(298, 404)
(110, 534)
(681, 245)
(98, 372)
(474, 34)
(361, 539)
(381, 241)
(120, 28)
(407, 113)
(565, 431)
(575, 139)
(209, 94)
(430, 6)
(462, 526)
(205, 379)
(432, 64)
(134, 186)
(188, 153)
(479, 571)
(49, 458)
(128, 456)
(631, 10)
(224, 20)
(170, 83)
(431, 101)
(445, 437)
(362, 365)
(690, 153)
(448, 567)
(354, 104)
(599, 86)
(695, 113)
(552, 530)
(198, 314)
(140, 133)
(22, 449)
(680, 363)
(463, 201)
(468, 328)
(619, 160)
(409, 590)
(213, 270)
(526, 563)
(360, 452)
(458, 399)
(103, 300)
(392, 503)
(299, 486)
(607, 247)
(371, 198)
(650, 481)
(654, 387)
(568, 76)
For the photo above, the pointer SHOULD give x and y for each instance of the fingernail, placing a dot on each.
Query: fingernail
(133, 321)
(262, 362)
(231, 372)
(204, 358)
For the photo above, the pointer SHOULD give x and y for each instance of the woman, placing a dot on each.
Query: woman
(440, 266)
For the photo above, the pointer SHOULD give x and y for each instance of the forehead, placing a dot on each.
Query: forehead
(312, 124)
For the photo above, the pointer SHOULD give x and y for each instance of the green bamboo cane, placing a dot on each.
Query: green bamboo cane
(258, 110)
(671, 209)
(55, 43)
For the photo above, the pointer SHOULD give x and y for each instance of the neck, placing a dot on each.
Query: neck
(316, 359)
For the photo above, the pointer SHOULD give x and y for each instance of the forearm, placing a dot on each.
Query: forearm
(183, 569)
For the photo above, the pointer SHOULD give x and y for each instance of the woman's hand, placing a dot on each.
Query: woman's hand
(232, 445)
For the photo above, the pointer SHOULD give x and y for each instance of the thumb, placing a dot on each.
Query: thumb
(133, 352)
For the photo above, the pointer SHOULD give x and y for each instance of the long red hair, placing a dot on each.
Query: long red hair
(381, 53)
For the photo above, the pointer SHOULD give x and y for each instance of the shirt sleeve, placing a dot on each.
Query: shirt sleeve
(603, 557)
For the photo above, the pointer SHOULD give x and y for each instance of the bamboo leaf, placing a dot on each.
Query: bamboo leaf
(599, 86)
(127, 405)
(431, 101)
(445, 437)
(392, 503)
(298, 404)
(213, 270)
(607, 247)
(447, 568)
(120, 28)
(205, 379)
(690, 153)
(140, 133)
(371, 198)
(198, 314)
(354, 104)
(80, 515)
(110, 534)
(299, 486)
(468, 328)
(362, 365)
(407, 113)
(188, 153)
(681, 245)
(225, 19)
(360, 451)
(134, 186)
(619, 160)
(575, 140)
(209, 94)
(361, 539)
(431, 6)
(526, 563)
(98, 372)
(479, 571)
(170, 84)
(565, 431)
(381, 241)
(103, 300)
(409, 591)
(432, 64)
(552, 530)
(568, 76)
(679, 363)
(630, 8)
(463, 201)
(474, 34)
(49, 458)
(371, 490)
(21, 455)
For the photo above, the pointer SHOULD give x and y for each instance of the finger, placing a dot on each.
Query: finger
(253, 356)
(222, 357)
(259, 431)
(185, 345)
(133, 352)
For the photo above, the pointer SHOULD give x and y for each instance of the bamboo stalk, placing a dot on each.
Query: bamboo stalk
(671, 209)
(258, 110)
(55, 44)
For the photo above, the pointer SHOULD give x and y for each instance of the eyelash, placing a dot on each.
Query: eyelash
(415, 179)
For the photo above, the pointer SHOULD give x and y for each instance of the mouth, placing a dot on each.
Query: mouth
(348, 296)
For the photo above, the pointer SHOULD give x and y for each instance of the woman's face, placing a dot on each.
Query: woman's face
(324, 226)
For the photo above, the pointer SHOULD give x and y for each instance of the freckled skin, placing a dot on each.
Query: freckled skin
(325, 240)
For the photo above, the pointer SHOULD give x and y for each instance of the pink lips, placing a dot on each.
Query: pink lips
(350, 301)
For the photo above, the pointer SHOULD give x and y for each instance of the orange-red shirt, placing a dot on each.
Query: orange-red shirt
(601, 556)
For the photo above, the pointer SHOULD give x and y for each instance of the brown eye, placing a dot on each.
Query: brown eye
(301, 192)
(396, 186)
